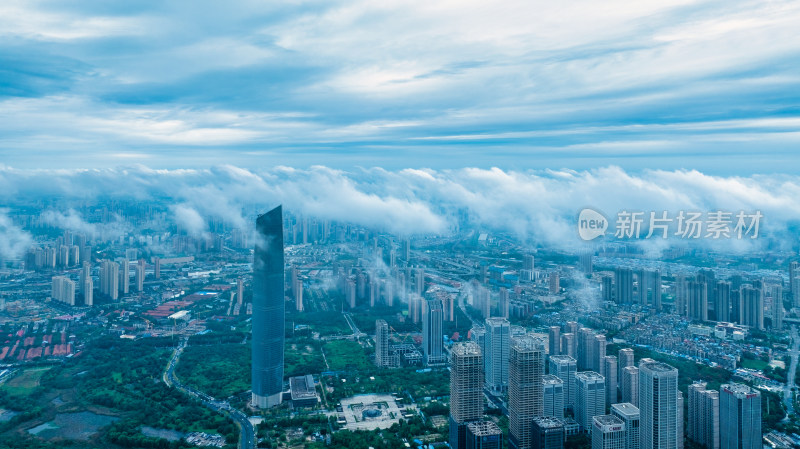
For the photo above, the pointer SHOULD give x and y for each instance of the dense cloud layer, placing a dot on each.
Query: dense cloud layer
(539, 207)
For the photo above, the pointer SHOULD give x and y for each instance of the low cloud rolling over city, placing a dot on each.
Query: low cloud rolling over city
(536, 206)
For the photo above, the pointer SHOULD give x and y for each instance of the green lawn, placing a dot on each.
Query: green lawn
(754, 364)
(24, 383)
(346, 355)
(220, 370)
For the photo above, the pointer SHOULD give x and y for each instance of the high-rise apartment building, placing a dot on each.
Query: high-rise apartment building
(525, 389)
(658, 405)
(466, 390)
(703, 422)
(498, 341)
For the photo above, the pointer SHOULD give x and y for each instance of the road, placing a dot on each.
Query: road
(356, 332)
(787, 392)
(247, 433)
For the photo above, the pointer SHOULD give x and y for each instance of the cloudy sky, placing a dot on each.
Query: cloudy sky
(707, 85)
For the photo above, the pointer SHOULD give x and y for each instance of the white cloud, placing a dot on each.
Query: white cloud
(14, 241)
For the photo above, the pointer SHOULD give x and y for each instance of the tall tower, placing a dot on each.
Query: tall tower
(623, 286)
(381, 343)
(739, 417)
(752, 309)
(268, 310)
(590, 398)
(776, 311)
(141, 266)
(554, 340)
(564, 367)
(547, 433)
(498, 339)
(526, 368)
(432, 343)
(658, 406)
(722, 305)
(703, 426)
(794, 282)
(125, 276)
(466, 390)
(610, 373)
(629, 385)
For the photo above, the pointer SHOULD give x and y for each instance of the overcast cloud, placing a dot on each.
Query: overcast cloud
(447, 84)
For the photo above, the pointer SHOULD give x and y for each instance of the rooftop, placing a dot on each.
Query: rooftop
(626, 409)
(484, 428)
(590, 375)
(548, 422)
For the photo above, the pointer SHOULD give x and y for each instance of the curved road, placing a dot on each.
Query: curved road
(247, 434)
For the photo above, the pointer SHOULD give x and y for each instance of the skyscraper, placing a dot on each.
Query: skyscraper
(658, 404)
(722, 305)
(381, 343)
(794, 283)
(125, 276)
(739, 417)
(598, 353)
(568, 344)
(565, 367)
(553, 396)
(629, 385)
(629, 414)
(698, 301)
(590, 398)
(776, 303)
(623, 286)
(109, 279)
(141, 266)
(268, 310)
(752, 309)
(432, 343)
(554, 340)
(466, 390)
(585, 348)
(610, 373)
(703, 423)
(498, 340)
(608, 432)
(526, 368)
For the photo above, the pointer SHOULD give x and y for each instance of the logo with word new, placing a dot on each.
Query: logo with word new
(591, 224)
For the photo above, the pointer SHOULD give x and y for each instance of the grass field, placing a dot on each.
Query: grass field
(753, 364)
(25, 382)
(346, 355)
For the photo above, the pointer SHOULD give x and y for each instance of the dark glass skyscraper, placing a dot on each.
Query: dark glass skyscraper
(268, 310)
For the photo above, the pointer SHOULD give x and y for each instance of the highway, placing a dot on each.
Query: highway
(787, 392)
(247, 434)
